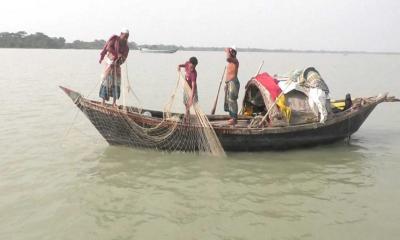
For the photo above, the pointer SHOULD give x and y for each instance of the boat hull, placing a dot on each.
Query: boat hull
(313, 135)
(114, 125)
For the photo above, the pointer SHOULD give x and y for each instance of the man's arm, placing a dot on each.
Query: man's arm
(106, 48)
(194, 85)
(122, 58)
(103, 52)
(232, 60)
(181, 66)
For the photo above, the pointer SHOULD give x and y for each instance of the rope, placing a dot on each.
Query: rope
(169, 133)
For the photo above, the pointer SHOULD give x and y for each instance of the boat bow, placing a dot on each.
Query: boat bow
(75, 96)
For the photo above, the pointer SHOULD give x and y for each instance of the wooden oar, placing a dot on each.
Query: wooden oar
(219, 88)
(259, 69)
(276, 100)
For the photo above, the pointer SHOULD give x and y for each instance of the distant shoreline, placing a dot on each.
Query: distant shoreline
(22, 40)
(248, 50)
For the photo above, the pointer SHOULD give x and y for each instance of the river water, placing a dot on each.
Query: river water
(60, 180)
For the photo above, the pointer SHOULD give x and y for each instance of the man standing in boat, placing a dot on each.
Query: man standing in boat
(114, 53)
(232, 85)
(191, 77)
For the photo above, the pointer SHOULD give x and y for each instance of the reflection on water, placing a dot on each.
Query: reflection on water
(69, 184)
(195, 196)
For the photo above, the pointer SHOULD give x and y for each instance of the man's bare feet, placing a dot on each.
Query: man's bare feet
(232, 121)
(186, 119)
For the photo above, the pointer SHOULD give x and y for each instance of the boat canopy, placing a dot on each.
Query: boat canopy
(263, 94)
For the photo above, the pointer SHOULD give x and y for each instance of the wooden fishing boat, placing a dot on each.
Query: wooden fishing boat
(148, 50)
(114, 124)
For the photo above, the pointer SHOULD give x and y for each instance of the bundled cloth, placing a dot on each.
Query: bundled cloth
(275, 92)
(318, 95)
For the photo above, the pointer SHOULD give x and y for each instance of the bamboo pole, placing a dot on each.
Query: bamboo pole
(219, 88)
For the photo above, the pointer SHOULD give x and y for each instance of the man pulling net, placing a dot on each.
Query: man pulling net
(114, 53)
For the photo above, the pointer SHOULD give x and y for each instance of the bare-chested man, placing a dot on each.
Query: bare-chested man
(232, 85)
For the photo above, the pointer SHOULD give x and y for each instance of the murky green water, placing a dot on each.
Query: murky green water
(60, 180)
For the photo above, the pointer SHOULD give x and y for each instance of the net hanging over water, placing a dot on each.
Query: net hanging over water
(166, 130)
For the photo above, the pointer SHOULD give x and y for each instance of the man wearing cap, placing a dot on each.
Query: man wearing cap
(114, 53)
(232, 85)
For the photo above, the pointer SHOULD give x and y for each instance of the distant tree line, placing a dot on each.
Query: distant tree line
(40, 40)
(22, 39)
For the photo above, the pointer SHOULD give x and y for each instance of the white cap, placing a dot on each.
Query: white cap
(233, 47)
(125, 30)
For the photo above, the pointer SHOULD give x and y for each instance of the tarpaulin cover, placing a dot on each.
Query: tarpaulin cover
(270, 83)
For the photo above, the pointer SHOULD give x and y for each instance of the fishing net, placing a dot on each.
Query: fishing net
(161, 130)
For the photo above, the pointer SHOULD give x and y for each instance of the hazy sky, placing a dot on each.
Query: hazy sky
(368, 25)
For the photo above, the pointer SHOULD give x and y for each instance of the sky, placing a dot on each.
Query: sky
(349, 25)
